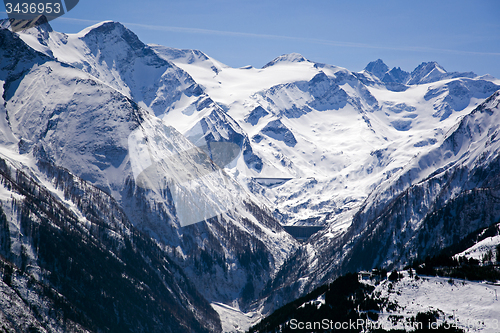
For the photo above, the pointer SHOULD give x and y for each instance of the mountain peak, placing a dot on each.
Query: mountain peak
(290, 57)
(102, 27)
(42, 24)
(428, 66)
(186, 56)
(427, 72)
(105, 32)
(40, 30)
(377, 68)
(39, 23)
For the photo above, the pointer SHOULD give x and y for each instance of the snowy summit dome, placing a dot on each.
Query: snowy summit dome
(291, 57)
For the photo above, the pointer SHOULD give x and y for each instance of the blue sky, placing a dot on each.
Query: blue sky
(460, 35)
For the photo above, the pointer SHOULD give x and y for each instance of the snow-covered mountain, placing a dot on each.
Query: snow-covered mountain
(63, 115)
(426, 72)
(210, 161)
(335, 133)
(433, 202)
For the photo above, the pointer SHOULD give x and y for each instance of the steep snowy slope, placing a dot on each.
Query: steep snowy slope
(335, 134)
(114, 55)
(71, 261)
(440, 196)
(163, 182)
(392, 164)
(433, 202)
(339, 136)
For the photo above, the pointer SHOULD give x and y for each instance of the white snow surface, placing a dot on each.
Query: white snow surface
(84, 108)
(342, 151)
(233, 320)
(338, 138)
(478, 250)
(473, 306)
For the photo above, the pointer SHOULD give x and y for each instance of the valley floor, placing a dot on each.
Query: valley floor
(233, 320)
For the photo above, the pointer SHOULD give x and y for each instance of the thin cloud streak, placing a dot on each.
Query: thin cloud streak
(298, 39)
